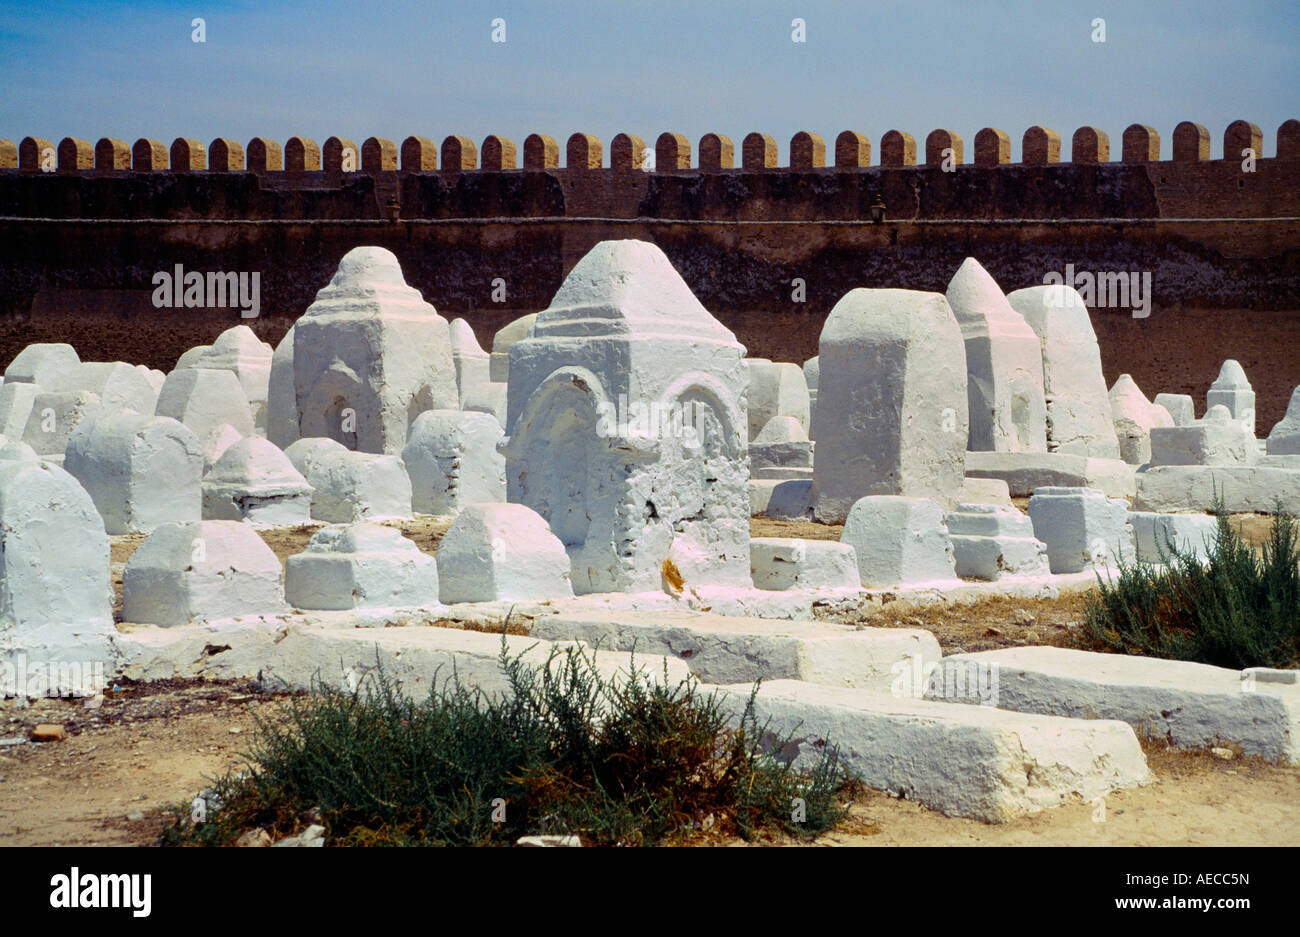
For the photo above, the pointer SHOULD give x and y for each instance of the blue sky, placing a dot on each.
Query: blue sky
(398, 68)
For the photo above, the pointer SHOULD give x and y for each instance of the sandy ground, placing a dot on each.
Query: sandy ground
(140, 752)
(112, 780)
(1196, 800)
(152, 746)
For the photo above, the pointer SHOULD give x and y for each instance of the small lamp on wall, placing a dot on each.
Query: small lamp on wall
(878, 210)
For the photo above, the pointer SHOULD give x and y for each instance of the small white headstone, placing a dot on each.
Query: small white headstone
(993, 542)
(303, 453)
(360, 566)
(452, 459)
(501, 551)
(775, 389)
(1180, 407)
(120, 386)
(899, 541)
(1083, 529)
(1232, 390)
(781, 563)
(1134, 416)
(1157, 535)
(1217, 439)
(140, 470)
(201, 571)
(254, 481)
(353, 486)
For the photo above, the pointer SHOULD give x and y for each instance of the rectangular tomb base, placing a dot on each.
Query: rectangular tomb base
(1025, 471)
(721, 649)
(1245, 489)
(1192, 705)
(964, 761)
(285, 656)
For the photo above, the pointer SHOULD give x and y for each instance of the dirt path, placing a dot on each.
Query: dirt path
(142, 751)
(1197, 800)
(152, 747)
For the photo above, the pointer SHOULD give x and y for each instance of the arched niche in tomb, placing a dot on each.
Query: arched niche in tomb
(708, 437)
(557, 433)
(340, 421)
(332, 409)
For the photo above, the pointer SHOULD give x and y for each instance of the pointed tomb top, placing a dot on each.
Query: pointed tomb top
(368, 277)
(628, 288)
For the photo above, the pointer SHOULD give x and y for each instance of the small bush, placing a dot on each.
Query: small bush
(567, 750)
(1240, 608)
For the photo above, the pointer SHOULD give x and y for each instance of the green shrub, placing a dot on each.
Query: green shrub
(1238, 608)
(568, 751)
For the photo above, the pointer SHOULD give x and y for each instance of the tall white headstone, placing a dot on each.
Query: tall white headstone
(892, 404)
(241, 352)
(1078, 411)
(56, 598)
(281, 400)
(471, 361)
(1004, 366)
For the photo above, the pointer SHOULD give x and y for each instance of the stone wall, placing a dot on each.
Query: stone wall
(79, 244)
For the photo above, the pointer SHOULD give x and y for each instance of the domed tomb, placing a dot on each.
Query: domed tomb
(626, 426)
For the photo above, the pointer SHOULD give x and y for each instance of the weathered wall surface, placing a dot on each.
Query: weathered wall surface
(1204, 189)
(78, 249)
(90, 283)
